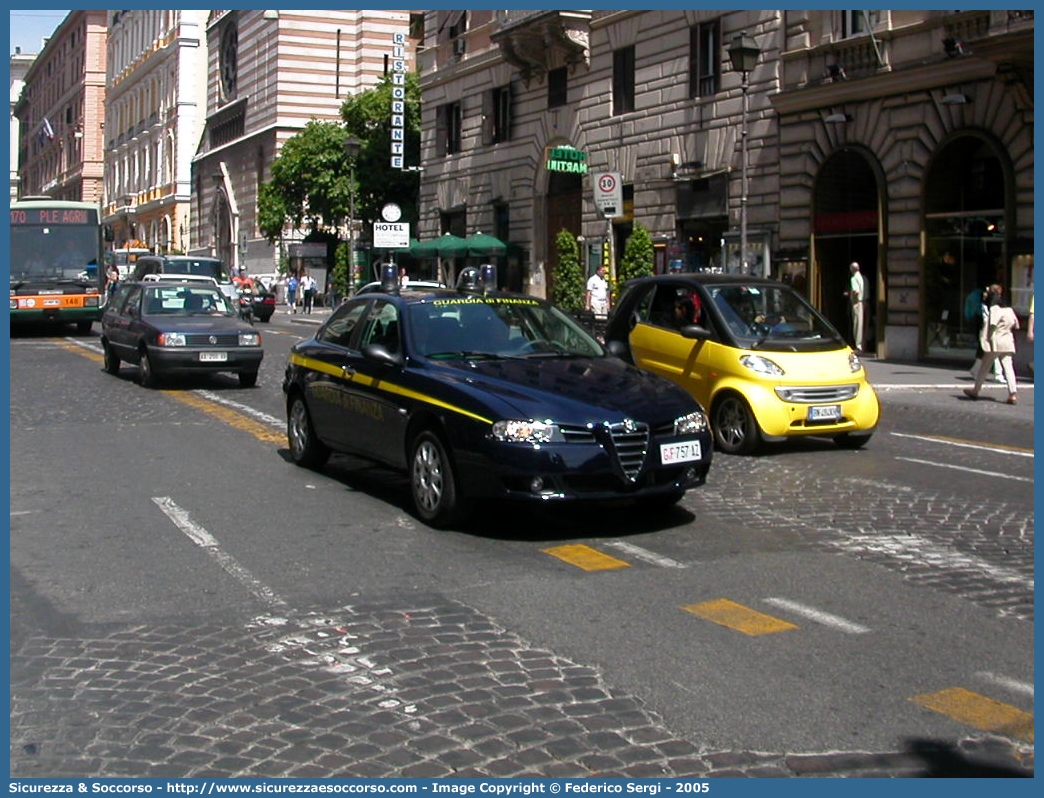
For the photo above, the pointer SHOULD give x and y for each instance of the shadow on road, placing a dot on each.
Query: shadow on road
(945, 761)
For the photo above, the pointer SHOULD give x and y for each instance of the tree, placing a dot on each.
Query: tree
(309, 182)
(568, 287)
(638, 256)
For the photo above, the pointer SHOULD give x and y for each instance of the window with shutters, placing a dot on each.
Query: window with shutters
(448, 123)
(623, 80)
(496, 115)
(556, 87)
(705, 59)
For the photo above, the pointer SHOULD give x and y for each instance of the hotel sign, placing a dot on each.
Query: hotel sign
(566, 159)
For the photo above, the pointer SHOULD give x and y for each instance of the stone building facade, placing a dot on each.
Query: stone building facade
(270, 73)
(61, 113)
(900, 139)
(20, 63)
(154, 113)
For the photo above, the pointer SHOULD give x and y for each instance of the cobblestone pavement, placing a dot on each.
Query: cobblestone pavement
(426, 689)
(979, 550)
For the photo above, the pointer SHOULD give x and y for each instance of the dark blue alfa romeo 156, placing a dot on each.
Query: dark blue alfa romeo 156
(482, 394)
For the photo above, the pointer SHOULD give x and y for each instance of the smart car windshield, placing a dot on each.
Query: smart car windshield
(768, 315)
(185, 301)
(497, 327)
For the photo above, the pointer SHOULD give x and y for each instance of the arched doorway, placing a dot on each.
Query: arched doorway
(846, 226)
(966, 245)
(563, 212)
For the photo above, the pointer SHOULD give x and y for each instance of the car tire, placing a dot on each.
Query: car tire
(146, 374)
(849, 440)
(736, 431)
(306, 450)
(112, 362)
(433, 483)
(247, 379)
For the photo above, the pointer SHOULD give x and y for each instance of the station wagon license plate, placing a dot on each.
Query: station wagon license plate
(213, 357)
(824, 413)
(683, 452)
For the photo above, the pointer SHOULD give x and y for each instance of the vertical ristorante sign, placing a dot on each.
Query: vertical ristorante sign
(398, 103)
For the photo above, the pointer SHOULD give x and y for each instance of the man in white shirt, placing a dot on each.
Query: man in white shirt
(598, 293)
(856, 294)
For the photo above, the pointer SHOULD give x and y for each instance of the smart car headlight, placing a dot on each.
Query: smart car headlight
(250, 339)
(172, 339)
(690, 424)
(853, 362)
(529, 431)
(761, 365)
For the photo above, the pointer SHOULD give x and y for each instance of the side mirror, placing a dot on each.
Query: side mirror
(695, 331)
(378, 353)
(617, 349)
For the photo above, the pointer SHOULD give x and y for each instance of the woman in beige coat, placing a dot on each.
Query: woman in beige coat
(997, 338)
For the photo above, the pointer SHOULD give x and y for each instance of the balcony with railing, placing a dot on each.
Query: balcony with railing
(536, 41)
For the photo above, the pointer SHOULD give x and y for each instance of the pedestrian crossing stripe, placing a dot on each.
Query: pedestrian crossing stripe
(979, 711)
(586, 557)
(735, 616)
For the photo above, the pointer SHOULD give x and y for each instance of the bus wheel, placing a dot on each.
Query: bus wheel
(83, 327)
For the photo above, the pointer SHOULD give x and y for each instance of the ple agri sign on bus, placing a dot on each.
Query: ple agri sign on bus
(52, 216)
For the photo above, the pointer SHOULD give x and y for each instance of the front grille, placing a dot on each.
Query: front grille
(576, 434)
(816, 394)
(203, 339)
(631, 442)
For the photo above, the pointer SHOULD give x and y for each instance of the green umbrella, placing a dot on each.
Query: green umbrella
(407, 250)
(480, 244)
(447, 245)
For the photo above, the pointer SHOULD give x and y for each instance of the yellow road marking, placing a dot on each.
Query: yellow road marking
(979, 711)
(585, 557)
(736, 616)
(225, 414)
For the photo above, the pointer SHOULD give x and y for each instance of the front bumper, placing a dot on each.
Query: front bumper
(55, 315)
(574, 471)
(780, 419)
(186, 360)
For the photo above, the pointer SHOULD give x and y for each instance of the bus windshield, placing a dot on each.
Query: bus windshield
(56, 252)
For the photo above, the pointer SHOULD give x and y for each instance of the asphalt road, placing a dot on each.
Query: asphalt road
(806, 605)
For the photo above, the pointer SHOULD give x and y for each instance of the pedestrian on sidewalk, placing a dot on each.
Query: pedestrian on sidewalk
(856, 294)
(998, 343)
(307, 291)
(977, 311)
(291, 293)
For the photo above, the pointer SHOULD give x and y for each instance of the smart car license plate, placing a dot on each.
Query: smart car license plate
(684, 452)
(213, 357)
(824, 413)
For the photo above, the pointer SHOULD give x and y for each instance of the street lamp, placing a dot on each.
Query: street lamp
(743, 52)
(352, 147)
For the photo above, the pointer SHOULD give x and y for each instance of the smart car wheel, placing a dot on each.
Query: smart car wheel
(146, 374)
(112, 363)
(306, 449)
(735, 429)
(433, 483)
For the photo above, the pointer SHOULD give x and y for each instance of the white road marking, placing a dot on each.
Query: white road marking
(22, 512)
(90, 347)
(198, 535)
(824, 618)
(900, 386)
(242, 408)
(645, 555)
(945, 442)
(965, 468)
(918, 550)
(1004, 681)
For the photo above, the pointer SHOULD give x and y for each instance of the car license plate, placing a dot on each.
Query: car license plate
(824, 413)
(52, 303)
(683, 452)
(213, 357)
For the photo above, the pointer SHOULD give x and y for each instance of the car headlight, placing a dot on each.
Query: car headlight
(250, 339)
(14, 304)
(172, 339)
(853, 362)
(690, 424)
(529, 431)
(761, 365)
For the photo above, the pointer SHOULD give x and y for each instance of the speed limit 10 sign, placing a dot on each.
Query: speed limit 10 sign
(608, 193)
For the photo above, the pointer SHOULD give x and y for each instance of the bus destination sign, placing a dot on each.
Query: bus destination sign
(53, 216)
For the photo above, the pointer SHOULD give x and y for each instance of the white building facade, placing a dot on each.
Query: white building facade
(156, 74)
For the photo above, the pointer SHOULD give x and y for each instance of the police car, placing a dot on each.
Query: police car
(477, 393)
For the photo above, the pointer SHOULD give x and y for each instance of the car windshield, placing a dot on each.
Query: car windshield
(185, 301)
(199, 268)
(763, 315)
(497, 327)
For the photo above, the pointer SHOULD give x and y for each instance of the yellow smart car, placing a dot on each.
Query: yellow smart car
(752, 350)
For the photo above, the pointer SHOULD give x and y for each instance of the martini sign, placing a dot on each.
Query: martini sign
(566, 159)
